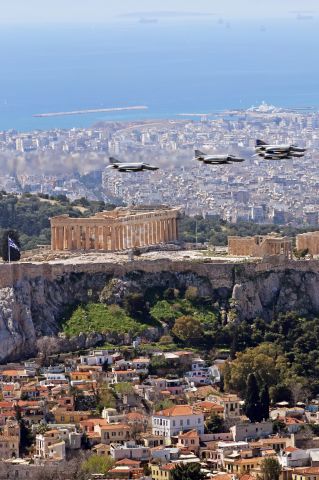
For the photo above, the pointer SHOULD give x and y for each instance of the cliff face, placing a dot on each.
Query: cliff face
(35, 297)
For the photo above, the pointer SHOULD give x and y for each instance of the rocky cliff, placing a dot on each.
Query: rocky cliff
(35, 297)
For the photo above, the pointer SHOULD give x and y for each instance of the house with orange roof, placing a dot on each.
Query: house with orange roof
(162, 472)
(10, 391)
(180, 418)
(236, 465)
(137, 419)
(210, 408)
(306, 473)
(113, 433)
(62, 415)
(189, 440)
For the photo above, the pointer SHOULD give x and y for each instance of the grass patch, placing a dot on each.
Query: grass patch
(100, 318)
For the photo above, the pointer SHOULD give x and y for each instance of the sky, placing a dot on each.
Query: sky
(30, 12)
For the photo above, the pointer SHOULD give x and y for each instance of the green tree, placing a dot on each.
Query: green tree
(265, 402)
(97, 464)
(14, 253)
(189, 471)
(105, 396)
(253, 408)
(270, 469)
(215, 424)
(26, 435)
(188, 329)
(135, 306)
(124, 388)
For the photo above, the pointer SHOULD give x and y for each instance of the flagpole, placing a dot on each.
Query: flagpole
(9, 250)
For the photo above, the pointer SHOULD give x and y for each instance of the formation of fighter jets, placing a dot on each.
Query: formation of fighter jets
(262, 149)
(278, 152)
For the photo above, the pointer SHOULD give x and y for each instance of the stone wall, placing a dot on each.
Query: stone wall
(309, 241)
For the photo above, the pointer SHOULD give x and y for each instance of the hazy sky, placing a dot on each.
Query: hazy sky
(76, 11)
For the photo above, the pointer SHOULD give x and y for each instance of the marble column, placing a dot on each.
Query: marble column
(87, 238)
(175, 233)
(113, 238)
(53, 240)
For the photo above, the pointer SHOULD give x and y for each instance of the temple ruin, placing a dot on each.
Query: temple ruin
(260, 246)
(120, 229)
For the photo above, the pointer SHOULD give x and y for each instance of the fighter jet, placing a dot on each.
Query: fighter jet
(130, 167)
(279, 155)
(278, 152)
(216, 159)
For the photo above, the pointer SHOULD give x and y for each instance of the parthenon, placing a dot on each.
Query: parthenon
(120, 229)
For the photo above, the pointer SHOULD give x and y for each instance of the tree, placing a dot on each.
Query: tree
(97, 464)
(105, 396)
(215, 424)
(191, 294)
(265, 402)
(26, 436)
(188, 329)
(188, 471)
(270, 469)
(135, 306)
(267, 360)
(14, 253)
(253, 408)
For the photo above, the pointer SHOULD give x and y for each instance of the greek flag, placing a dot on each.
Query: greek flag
(11, 244)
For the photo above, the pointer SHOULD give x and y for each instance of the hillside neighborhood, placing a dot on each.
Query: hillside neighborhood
(126, 416)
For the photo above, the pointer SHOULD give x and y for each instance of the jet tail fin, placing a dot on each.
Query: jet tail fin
(113, 160)
(260, 143)
(198, 153)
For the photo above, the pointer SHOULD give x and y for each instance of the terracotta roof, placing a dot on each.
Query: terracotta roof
(223, 476)
(115, 426)
(177, 410)
(168, 466)
(306, 470)
(128, 461)
(291, 449)
(189, 434)
(135, 416)
(246, 477)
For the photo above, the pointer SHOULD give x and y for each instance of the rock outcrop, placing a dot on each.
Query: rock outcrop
(34, 298)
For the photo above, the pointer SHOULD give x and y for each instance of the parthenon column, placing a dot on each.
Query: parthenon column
(87, 238)
(175, 233)
(53, 240)
(121, 232)
(113, 238)
(170, 230)
(158, 231)
(60, 238)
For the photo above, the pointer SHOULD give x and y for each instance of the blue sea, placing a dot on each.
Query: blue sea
(170, 66)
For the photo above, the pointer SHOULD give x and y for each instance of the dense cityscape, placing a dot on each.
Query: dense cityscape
(257, 190)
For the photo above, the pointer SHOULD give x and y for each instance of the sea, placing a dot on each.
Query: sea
(172, 66)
